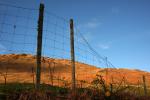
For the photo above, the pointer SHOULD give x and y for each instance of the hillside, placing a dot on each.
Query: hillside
(19, 68)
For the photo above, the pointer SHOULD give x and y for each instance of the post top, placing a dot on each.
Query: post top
(71, 20)
(42, 4)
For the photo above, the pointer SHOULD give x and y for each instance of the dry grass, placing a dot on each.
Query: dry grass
(20, 70)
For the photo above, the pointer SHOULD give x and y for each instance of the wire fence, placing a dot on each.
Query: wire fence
(18, 47)
(18, 32)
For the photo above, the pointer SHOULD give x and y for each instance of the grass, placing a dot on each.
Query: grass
(26, 90)
(10, 88)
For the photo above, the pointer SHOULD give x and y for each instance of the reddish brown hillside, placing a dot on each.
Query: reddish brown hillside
(19, 68)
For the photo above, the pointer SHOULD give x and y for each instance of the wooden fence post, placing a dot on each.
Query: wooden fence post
(144, 85)
(72, 54)
(39, 46)
(33, 75)
(111, 88)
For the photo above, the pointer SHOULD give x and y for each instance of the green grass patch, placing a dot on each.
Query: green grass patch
(10, 88)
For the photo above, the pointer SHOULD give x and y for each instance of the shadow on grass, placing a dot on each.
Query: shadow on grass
(26, 91)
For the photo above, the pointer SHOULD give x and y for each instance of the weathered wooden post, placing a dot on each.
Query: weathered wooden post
(39, 46)
(111, 88)
(144, 85)
(106, 71)
(33, 74)
(72, 54)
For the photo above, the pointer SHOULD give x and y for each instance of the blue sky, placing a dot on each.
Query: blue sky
(118, 29)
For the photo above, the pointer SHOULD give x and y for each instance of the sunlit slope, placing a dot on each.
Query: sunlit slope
(21, 68)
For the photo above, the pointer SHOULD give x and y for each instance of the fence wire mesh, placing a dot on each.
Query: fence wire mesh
(18, 32)
(18, 47)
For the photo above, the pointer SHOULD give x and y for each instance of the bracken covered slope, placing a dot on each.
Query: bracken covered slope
(21, 68)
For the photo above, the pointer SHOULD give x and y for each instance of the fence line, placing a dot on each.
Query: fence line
(18, 34)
